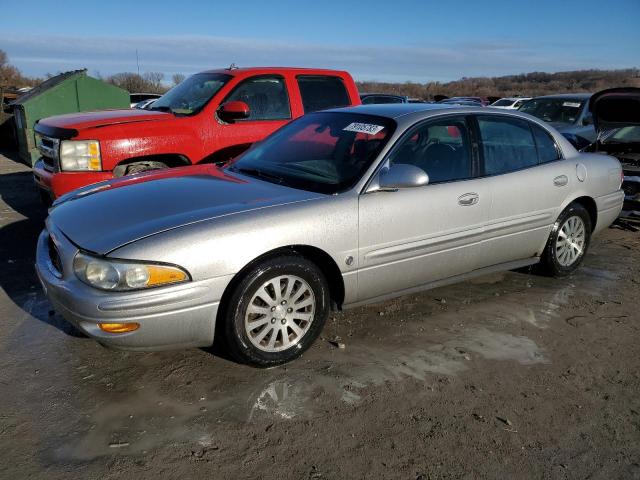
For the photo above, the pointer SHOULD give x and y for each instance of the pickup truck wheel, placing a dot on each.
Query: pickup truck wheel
(568, 241)
(146, 166)
(276, 311)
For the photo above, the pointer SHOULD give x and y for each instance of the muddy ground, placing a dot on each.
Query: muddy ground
(509, 376)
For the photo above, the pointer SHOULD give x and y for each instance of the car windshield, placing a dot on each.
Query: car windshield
(557, 110)
(325, 152)
(192, 95)
(505, 102)
(629, 134)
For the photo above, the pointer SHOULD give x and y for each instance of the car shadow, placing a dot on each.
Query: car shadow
(22, 221)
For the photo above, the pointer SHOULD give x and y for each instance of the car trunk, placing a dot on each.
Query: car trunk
(616, 115)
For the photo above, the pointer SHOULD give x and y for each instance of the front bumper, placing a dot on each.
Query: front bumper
(56, 184)
(169, 317)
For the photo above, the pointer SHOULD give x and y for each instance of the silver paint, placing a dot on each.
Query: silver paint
(400, 241)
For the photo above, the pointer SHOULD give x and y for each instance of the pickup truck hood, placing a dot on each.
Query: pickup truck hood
(103, 217)
(80, 121)
(615, 108)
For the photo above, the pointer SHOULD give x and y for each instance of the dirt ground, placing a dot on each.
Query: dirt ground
(509, 376)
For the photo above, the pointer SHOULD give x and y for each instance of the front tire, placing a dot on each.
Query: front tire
(276, 311)
(568, 241)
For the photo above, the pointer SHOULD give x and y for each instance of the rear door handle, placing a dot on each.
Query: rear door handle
(468, 199)
(561, 180)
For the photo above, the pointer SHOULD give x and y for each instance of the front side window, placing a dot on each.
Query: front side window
(547, 149)
(440, 148)
(191, 95)
(320, 92)
(507, 144)
(266, 96)
(321, 152)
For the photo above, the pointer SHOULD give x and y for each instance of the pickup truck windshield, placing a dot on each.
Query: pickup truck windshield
(555, 110)
(192, 95)
(325, 152)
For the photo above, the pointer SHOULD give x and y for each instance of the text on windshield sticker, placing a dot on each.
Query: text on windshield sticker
(369, 128)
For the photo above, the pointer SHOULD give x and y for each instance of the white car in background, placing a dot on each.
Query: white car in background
(510, 103)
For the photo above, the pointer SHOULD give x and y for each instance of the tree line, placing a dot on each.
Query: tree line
(524, 84)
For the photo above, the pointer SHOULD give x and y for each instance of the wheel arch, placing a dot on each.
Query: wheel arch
(325, 263)
(590, 206)
(172, 160)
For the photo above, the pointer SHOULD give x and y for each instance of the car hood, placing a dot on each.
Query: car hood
(105, 216)
(615, 108)
(103, 118)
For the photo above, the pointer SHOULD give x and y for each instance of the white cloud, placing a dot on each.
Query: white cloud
(37, 55)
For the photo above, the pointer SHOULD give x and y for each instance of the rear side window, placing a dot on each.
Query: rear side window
(266, 96)
(547, 149)
(507, 144)
(320, 92)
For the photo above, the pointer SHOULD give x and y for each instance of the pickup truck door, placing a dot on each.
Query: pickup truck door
(269, 109)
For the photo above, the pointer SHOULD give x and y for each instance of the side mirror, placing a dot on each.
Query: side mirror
(588, 119)
(402, 175)
(235, 110)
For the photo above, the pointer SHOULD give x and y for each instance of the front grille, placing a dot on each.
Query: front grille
(49, 150)
(54, 257)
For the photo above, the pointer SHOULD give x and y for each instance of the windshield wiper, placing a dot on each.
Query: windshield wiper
(254, 172)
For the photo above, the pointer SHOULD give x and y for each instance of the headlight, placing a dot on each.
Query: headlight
(80, 155)
(122, 275)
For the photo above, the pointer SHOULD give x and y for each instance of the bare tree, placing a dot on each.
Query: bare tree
(178, 78)
(150, 82)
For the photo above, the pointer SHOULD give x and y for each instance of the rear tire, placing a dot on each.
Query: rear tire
(276, 311)
(568, 242)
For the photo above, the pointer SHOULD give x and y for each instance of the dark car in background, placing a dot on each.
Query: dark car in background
(379, 98)
(567, 113)
(616, 118)
(470, 101)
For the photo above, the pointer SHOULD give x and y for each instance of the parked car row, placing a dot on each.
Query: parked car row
(335, 208)
(211, 117)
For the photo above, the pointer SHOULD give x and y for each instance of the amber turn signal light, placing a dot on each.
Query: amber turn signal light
(119, 327)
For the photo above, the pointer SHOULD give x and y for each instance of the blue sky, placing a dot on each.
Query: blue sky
(392, 40)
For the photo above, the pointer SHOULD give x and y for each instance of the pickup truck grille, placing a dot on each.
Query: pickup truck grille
(49, 149)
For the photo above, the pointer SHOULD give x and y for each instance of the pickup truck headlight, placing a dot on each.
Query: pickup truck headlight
(80, 155)
(120, 275)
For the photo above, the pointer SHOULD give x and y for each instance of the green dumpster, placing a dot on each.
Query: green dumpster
(65, 93)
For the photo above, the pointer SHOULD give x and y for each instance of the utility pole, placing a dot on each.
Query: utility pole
(137, 62)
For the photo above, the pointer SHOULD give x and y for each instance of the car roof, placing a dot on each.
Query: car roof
(395, 110)
(368, 94)
(266, 70)
(576, 96)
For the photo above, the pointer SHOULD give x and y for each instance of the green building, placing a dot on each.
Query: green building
(65, 93)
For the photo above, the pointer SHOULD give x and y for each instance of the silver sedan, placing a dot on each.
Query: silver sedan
(336, 209)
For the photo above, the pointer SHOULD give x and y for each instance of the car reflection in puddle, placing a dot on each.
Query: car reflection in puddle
(133, 423)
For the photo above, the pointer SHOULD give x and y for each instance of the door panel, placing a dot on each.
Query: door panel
(268, 100)
(525, 207)
(418, 235)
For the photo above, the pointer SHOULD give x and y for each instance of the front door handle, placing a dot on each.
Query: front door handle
(468, 199)
(561, 180)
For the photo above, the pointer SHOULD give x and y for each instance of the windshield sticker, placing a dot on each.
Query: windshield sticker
(571, 104)
(369, 128)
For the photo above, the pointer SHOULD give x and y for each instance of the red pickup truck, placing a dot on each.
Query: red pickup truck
(209, 118)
